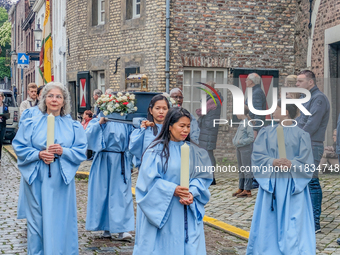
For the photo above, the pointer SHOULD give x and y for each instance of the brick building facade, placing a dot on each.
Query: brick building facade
(209, 40)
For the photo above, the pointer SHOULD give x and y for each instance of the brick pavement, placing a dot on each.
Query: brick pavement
(13, 231)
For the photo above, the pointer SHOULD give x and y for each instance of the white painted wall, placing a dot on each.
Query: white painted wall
(59, 40)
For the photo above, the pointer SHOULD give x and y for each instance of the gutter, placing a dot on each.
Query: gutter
(167, 47)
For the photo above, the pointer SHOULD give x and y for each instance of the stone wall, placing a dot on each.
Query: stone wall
(137, 42)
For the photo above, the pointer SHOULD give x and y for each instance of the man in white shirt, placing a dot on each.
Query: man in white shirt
(31, 99)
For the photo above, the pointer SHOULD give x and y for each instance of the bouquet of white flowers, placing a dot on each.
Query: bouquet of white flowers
(120, 103)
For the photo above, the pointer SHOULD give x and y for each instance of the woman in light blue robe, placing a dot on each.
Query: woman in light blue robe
(51, 209)
(168, 222)
(283, 220)
(110, 205)
(28, 113)
(142, 137)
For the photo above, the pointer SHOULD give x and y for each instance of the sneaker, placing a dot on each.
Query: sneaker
(338, 241)
(319, 231)
(106, 234)
(124, 236)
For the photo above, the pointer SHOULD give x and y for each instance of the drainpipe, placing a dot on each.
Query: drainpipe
(167, 47)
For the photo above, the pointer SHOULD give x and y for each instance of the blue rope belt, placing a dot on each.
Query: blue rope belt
(186, 223)
(122, 161)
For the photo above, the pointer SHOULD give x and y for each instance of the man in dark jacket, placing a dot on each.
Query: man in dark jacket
(315, 125)
(259, 100)
(208, 133)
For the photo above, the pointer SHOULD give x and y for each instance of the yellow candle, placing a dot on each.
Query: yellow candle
(50, 130)
(185, 149)
(281, 142)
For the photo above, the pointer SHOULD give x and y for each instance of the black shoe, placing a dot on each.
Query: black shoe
(213, 182)
(338, 241)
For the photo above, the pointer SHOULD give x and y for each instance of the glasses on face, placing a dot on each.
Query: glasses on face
(58, 97)
(177, 97)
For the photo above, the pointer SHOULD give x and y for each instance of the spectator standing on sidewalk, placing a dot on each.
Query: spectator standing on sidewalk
(96, 94)
(259, 102)
(315, 125)
(208, 132)
(31, 98)
(243, 140)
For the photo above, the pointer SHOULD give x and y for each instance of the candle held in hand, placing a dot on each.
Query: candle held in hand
(50, 130)
(185, 149)
(281, 142)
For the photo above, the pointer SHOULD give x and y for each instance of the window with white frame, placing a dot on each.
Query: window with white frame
(136, 9)
(191, 93)
(101, 12)
(101, 81)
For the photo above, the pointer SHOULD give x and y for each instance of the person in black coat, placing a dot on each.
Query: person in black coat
(4, 115)
(208, 133)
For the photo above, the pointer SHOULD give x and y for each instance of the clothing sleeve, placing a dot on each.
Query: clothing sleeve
(74, 155)
(318, 110)
(211, 105)
(250, 135)
(194, 129)
(95, 136)
(199, 181)
(154, 195)
(23, 106)
(25, 115)
(260, 161)
(136, 144)
(304, 158)
(28, 156)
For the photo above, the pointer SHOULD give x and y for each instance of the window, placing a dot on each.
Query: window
(132, 9)
(136, 9)
(101, 81)
(98, 12)
(101, 12)
(192, 95)
(131, 70)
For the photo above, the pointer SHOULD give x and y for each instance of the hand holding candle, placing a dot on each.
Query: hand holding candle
(185, 150)
(50, 130)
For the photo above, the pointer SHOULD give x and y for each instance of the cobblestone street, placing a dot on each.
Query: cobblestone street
(222, 206)
(13, 231)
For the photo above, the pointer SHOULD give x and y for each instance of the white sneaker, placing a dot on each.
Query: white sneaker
(106, 234)
(124, 236)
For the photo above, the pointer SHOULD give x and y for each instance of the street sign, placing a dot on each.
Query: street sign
(23, 60)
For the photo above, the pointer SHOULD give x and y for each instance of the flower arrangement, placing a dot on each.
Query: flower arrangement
(172, 102)
(120, 103)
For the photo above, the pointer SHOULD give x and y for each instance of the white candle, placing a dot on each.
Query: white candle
(281, 142)
(185, 149)
(50, 130)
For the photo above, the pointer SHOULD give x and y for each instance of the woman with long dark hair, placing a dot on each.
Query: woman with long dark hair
(169, 216)
(141, 138)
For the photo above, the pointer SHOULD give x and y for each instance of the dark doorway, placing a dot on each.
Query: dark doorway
(73, 95)
(334, 67)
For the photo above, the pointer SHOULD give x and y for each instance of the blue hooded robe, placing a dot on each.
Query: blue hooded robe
(110, 205)
(283, 220)
(161, 227)
(51, 209)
